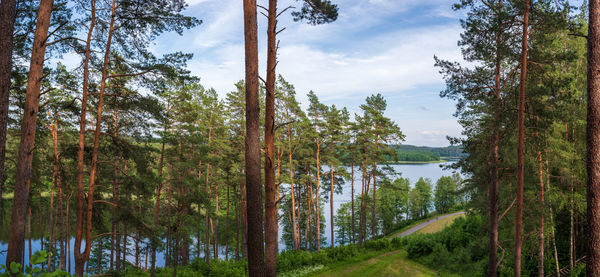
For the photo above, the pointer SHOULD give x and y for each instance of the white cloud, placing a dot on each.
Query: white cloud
(367, 50)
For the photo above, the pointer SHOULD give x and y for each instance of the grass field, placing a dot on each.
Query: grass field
(393, 263)
(439, 225)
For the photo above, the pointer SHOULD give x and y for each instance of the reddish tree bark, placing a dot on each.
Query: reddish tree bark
(16, 239)
(331, 203)
(81, 147)
(593, 141)
(7, 26)
(270, 189)
(291, 169)
(84, 257)
(256, 263)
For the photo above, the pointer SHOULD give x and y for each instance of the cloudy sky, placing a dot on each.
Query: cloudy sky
(375, 46)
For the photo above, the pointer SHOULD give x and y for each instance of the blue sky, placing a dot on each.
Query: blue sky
(375, 46)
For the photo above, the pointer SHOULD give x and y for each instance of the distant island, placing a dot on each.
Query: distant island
(425, 154)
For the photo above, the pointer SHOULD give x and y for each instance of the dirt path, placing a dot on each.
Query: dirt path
(424, 224)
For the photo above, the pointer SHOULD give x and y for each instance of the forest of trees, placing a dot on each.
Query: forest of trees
(128, 154)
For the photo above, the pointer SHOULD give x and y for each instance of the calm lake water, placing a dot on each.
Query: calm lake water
(413, 172)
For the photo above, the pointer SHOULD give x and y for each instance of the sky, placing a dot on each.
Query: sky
(375, 46)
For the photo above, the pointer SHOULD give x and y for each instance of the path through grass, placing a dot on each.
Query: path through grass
(393, 263)
(437, 226)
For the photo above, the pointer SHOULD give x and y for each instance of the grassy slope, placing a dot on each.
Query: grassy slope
(439, 225)
(393, 263)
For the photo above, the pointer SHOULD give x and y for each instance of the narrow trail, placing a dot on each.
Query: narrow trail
(424, 224)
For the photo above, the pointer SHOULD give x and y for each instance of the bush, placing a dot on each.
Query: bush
(228, 268)
(380, 244)
(399, 242)
(200, 265)
(420, 245)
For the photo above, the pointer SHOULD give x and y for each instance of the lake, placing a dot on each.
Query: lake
(413, 172)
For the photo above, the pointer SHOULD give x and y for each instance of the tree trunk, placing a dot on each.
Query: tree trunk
(270, 189)
(207, 217)
(227, 226)
(331, 203)
(92, 180)
(362, 200)
(63, 235)
(216, 226)
(541, 222)
(593, 141)
(28, 128)
(29, 234)
(115, 199)
(256, 264)
(494, 191)
(373, 212)
(552, 228)
(238, 219)
(117, 242)
(521, 144)
(294, 220)
(157, 203)
(54, 133)
(7, 26)
(352, 197)
(68, 232)
(79, 258)
(124, 244)
(169, 239)
(317, 206)
(243, 216)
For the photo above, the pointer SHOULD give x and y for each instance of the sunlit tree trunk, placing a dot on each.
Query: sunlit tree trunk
(317, 207)
(293, 196)
(373, 212)
(79, 259)
(54, 133)
(28, 128)
(331, 203)
(94, 163)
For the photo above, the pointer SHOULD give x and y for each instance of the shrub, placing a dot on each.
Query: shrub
(380, 244)
(228, 268)
(420, 245)
(398, 242)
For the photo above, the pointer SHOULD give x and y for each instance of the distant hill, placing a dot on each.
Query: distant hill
(412, 153)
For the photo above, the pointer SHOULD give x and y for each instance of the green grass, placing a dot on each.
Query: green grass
(398, 232)
(439, 225)
(393, 263)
